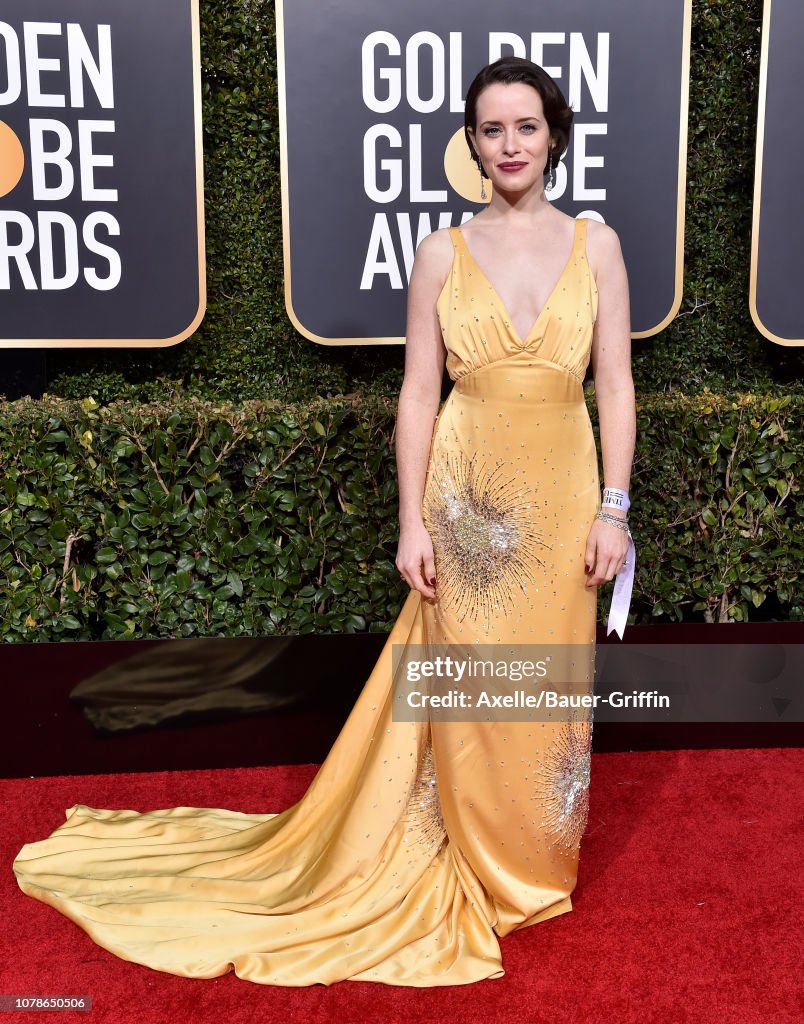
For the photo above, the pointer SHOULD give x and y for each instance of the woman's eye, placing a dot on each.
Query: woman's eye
(495, 129)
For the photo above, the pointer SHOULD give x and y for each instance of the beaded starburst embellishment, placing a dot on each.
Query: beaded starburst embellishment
(424, 823)
(481, 521)
(562, 784)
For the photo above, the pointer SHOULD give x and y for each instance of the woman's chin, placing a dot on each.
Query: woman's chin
(512, 189)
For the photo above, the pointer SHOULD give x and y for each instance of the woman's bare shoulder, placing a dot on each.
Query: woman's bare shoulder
(601, 235)
(602, 244)
(434, 256)
(437, 242)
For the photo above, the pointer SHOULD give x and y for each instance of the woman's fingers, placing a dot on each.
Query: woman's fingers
(425, 575)
(604, 555)
(418, 580)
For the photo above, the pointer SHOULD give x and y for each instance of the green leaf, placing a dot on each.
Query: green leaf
(235, 582)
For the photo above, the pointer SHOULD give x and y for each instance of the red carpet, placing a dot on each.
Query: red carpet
(688, 907)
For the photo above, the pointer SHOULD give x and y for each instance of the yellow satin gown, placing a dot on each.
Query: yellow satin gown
(417, 844)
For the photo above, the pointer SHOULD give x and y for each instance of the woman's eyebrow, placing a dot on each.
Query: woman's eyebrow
(531, 118)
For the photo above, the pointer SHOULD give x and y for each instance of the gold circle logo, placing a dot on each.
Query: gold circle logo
(12, 159)
(461, 170)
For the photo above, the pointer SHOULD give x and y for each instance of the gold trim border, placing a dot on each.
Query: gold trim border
(115, 343)
(758, 161)
(680, 195)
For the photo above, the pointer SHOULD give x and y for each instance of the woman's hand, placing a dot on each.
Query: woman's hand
(606, 548)
(415, 552)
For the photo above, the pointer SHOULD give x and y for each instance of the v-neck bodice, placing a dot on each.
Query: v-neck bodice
(477, 328)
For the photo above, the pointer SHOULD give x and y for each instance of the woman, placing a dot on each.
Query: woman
(420, 842)
(516, 124)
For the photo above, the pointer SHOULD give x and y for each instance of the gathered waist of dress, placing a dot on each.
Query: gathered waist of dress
(535, 381)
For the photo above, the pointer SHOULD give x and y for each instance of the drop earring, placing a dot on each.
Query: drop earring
(551, 176)
(482, 182)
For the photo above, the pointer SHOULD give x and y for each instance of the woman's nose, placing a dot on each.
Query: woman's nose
(511, 141)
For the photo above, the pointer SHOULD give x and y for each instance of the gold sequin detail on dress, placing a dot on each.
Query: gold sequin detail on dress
(423, 820)
(482, 524)
(562, 783)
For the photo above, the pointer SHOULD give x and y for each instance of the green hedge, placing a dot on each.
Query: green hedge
(195, 519)
(190, 518)
(718, 508)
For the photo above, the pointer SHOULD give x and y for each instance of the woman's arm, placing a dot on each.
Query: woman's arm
(614, 394)
(419, 400)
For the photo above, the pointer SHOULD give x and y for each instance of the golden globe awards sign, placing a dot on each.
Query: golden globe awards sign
(374, 156)
(777, 258)
(101, 196)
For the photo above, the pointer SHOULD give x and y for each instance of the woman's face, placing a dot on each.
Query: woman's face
(512, 136)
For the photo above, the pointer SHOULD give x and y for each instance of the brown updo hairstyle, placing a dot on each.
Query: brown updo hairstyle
(516, 69)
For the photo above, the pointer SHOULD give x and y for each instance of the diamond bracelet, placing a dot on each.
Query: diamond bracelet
(621, 524)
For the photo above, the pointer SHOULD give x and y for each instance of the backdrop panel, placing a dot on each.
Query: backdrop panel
(373, 154)
(777, 256)
(101, 197)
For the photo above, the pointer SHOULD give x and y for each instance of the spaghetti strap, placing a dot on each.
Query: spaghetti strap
(456, 236)
(579, 242)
